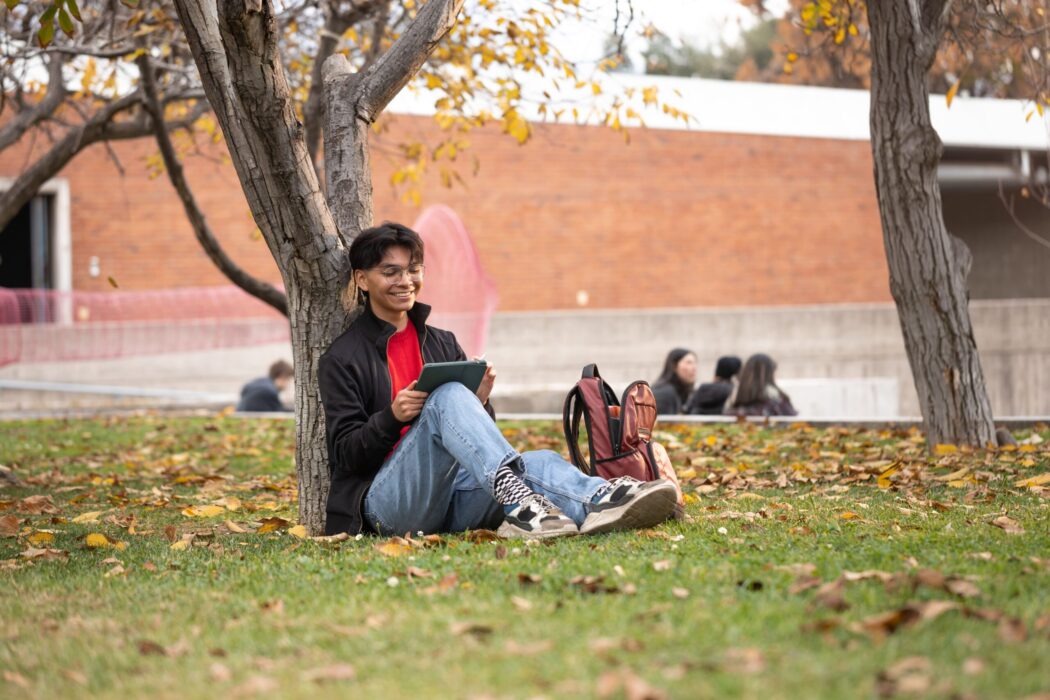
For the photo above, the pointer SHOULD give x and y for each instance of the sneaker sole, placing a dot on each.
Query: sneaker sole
(512, 532)
(649, 508)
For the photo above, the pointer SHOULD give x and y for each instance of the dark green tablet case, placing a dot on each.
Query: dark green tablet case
(468, 373)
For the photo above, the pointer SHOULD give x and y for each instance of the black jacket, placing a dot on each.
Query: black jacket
(668, 402)
(261, 395)
(710, 399)
(356, 393)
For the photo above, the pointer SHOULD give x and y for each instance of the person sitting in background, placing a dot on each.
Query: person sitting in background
(710, 399)
(675, 383)
(263, 394)
(758, 393)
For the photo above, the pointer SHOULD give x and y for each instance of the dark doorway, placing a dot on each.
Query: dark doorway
(25, 247)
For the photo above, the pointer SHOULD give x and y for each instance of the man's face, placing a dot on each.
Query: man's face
(394, 283)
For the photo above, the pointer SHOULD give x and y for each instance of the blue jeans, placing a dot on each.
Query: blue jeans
(439, 479)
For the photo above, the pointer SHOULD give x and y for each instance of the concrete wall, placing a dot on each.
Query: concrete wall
(539, 352)
(845, 359)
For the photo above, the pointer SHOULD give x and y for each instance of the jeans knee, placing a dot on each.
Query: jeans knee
(452, 391)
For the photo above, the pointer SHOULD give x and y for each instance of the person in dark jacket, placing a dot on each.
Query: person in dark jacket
(264, 394)
(710, 398)
(404, 461)
(758, 393)
(675, 383)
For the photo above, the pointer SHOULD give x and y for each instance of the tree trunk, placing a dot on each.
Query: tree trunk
(235, 48)
(927, 279)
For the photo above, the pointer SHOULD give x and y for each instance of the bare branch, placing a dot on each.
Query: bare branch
(395, 68)
(30, 117)
(257, 288)
(1008, 203)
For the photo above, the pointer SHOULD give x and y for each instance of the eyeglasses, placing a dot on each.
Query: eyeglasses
(393, 273)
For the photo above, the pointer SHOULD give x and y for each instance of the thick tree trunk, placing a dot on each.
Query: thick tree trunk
(927, 278)
(235, 48)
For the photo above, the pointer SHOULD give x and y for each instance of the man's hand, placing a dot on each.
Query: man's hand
(408, 403)
(485, 388)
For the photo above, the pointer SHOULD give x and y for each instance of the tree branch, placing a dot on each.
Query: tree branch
(257, 288)
(395, 68)
(335, 26)
(27, 119)
(100, 127)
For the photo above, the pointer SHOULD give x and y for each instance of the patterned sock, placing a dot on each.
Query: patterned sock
(508, 487)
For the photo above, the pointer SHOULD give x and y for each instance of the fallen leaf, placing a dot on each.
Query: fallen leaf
(16, 679)
(520, 603)
(1008, 525)
(37, 505)
(798, 569)
(527, 648)
(662, 565)
(476, 629)
(45, 554)
(148, 647)
(220, 672)
(298, 531)
(972, 666)
(234, 527)
(529, 579)
(335, 672)
(889, 622)
(414, 572)
(743, 660)
(482, 536)
(942, 449)
(182, 544)
(255, 685)
(76, 676)
(680, 593)
(41, 537)
(909, 676)
(203, 511)
(394, 547)
(9, 526)
(97, 540)
(272, 524)
(849, 515)
(171, 533)
(1034, 481)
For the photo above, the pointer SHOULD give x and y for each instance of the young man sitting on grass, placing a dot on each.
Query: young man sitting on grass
(405, 461)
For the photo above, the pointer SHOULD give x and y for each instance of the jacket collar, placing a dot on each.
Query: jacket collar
(379, 331)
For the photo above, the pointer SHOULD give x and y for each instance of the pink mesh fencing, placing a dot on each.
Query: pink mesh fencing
(50, 326)
(463, 296)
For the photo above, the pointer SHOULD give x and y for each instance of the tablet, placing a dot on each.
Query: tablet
(469, 373)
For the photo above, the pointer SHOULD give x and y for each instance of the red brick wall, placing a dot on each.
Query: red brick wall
(676, 218)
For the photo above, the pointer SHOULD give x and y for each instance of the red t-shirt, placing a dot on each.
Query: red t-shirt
(405, 362)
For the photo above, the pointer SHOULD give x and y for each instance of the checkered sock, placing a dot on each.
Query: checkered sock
(508, 487)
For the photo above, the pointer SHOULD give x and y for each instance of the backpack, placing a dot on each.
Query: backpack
(619, 432)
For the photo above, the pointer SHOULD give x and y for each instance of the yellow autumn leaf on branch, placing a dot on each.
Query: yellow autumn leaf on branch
(951, 92)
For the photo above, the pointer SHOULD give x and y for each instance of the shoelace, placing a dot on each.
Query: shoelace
(538, 502)
(613, 485)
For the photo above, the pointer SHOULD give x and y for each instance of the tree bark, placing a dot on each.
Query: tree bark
(27, 118)
(927, 278)
(257, 288)
(235, 48)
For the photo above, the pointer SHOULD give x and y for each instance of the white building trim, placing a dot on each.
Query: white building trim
(768, 109)
(61, 230)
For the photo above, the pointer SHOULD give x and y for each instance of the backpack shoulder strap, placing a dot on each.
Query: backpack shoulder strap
(571, 414)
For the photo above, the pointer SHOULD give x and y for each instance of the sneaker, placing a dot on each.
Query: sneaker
(628, 504)
(536, 518)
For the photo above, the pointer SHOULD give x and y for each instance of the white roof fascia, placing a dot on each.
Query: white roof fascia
(770, 109)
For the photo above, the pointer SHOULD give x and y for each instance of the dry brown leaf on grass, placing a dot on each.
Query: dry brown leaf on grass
(394, 547)
(333, 672)
(9, 526)
(37, 505)
(1008, 525)
(89, 517)
(256, 685)
(272, 525)
(527, 648)
(46, 554)
(474, 629)
(15, 678)
(884, 624)
(633, 686)
(909, 676)
(220, 672)
(529, 579)
(593, 584)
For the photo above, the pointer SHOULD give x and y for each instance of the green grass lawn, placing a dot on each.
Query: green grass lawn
(746, 598)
